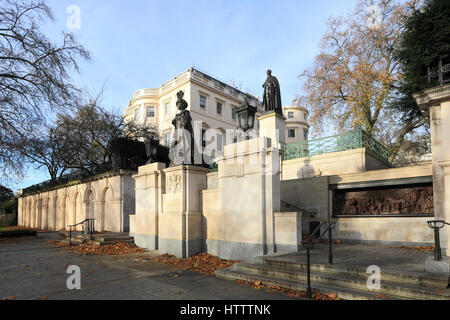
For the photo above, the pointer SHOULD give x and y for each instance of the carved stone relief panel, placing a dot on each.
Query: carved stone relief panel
(388, 201)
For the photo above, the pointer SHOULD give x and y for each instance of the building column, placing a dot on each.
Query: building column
(20, 211)
(39, 214)
(99, 215)
(445, 243)
(435, 104)
(45, 210)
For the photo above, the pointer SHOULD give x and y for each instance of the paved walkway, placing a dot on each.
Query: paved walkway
(34, 270)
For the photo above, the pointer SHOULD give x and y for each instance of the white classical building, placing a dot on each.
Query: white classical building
(210, 100)
(297, 127)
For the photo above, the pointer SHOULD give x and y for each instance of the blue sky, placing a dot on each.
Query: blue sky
(142, 44)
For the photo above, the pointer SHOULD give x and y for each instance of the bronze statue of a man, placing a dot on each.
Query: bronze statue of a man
(182, 146)
(272, 94)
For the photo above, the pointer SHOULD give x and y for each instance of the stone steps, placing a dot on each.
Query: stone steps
(346, 283)
(102, 243)
(430, 280)
(102, 238)
(342, 293)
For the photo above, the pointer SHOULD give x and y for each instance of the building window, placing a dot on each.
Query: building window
(202, 102)
(136, 114)
(233, 113)
(291, 133)
(167, 108)
(291, 115)
(305, 115)
(167, 139)
(305, 134)
(150, 112)
(219, 108)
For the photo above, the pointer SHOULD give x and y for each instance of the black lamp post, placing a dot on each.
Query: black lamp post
(246, 116)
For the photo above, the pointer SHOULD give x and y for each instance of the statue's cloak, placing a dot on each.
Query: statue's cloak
(272, 99)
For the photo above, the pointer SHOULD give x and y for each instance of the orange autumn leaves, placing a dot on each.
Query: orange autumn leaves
(116, 248)
(203, 263)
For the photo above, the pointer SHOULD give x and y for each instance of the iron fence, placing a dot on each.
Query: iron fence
(347, 141)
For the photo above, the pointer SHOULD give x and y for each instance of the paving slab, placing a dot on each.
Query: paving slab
(36, 270)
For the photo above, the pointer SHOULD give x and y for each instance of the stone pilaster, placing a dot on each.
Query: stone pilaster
(99, 215)
(435, 104)
(149, 183)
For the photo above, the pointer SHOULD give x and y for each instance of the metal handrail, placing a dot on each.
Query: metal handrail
(436, 225)
(309, 243)
(287, 204)
(90, 228)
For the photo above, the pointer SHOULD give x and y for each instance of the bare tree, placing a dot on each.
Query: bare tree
(42, 151)
(83, 139)
(34, 75)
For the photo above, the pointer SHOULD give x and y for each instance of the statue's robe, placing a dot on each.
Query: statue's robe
(182, 146)
(272, 95)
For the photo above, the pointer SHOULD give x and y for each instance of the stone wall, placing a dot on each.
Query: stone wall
(335, 163)
(109, 198)
(314, 195)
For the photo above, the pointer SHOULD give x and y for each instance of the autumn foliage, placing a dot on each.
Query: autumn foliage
(352, 83)
(203, 263)
(117, 248)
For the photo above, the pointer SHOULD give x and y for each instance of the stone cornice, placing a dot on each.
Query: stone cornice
(433, 97)
(270, 115)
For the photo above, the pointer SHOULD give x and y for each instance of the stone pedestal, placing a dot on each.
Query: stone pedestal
(149, 183)
(180, 224)
(273, 126)
(435, 104)
(249, 195)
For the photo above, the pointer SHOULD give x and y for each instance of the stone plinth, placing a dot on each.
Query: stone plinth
(435, 104)
(240, 214)
(149, 183)
(180, 224)
(273, 126)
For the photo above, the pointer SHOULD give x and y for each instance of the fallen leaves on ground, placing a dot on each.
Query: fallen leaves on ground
(117, 248)
(203, 263)
(317, 295)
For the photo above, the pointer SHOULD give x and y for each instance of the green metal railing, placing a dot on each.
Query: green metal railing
(347, 141)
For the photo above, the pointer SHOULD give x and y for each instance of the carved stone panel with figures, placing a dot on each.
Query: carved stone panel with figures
(386, 201)
(173, 183)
